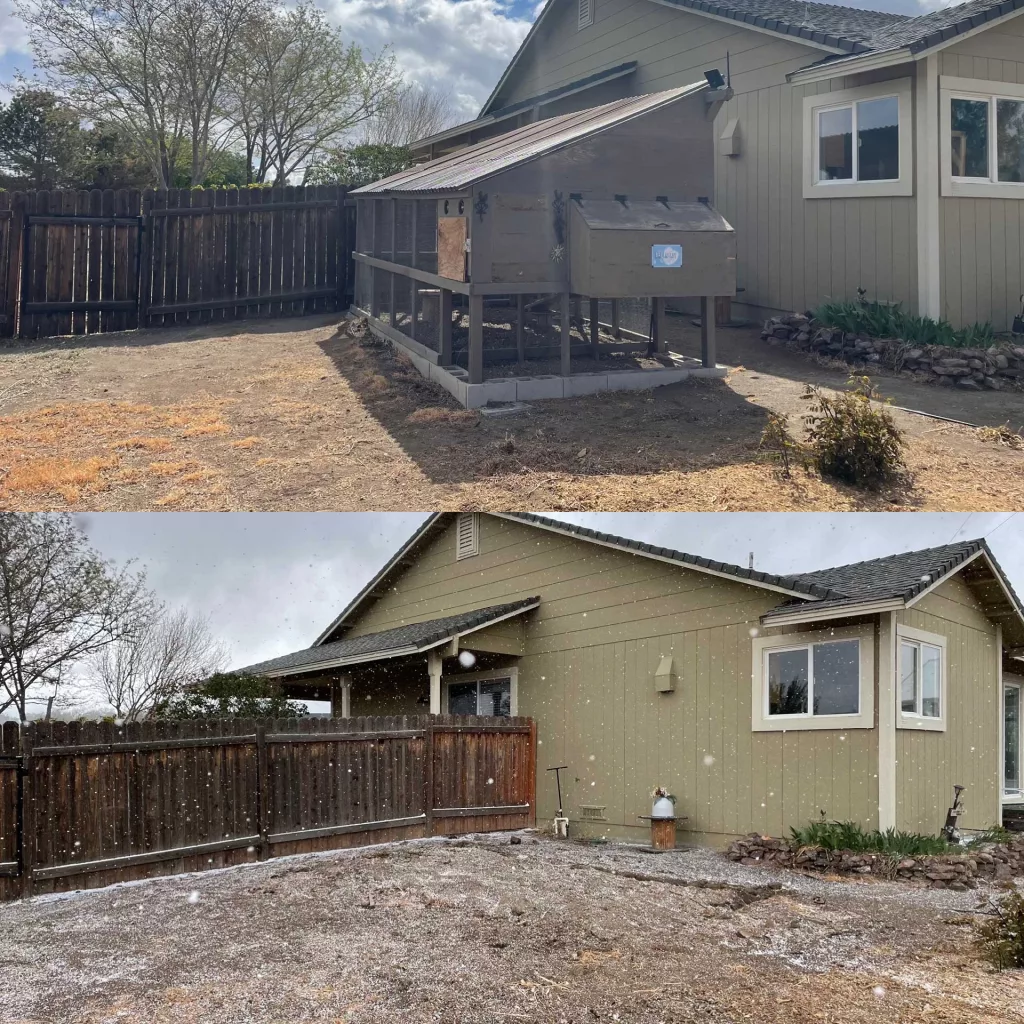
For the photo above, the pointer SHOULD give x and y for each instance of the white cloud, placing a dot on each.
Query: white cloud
(462, 45)
(13, 36)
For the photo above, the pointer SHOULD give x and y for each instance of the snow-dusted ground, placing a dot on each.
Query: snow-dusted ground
(480, 929)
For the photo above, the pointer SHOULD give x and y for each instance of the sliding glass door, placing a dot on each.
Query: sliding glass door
(1011, 739)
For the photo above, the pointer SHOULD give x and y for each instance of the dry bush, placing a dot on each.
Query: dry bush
(778, 446)
(1001, 940)
(1002, 436)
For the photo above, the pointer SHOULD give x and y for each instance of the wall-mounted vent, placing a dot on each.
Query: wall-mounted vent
(467, 535)
(592, 812)
(586, 12)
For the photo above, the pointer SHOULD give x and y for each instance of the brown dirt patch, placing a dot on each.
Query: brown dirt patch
(298, 415)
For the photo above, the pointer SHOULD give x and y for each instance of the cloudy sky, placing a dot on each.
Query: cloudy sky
(463, 45)
(270, 582)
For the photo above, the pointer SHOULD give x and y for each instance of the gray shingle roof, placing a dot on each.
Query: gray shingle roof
(409, 638)
(853, 30)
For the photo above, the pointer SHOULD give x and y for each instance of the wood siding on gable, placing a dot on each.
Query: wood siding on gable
(605, 621)
(967, 753)
(983, 239)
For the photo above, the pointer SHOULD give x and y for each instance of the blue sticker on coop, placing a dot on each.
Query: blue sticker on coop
(666, 255)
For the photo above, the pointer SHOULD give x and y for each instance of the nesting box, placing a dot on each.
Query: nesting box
(650, 248)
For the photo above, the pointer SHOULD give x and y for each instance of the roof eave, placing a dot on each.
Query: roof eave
(871, 60)
(815, 613)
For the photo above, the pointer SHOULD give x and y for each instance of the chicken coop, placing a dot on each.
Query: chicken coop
(538, 264)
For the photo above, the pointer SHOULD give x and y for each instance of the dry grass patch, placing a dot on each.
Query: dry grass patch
(167, 468)
(65, 477)
(436, 414)
(247, 442)
(149, 444)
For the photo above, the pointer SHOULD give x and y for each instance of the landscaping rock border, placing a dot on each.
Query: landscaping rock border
(995, 861)
(974, 369)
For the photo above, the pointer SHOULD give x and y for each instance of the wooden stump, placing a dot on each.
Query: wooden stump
(663, 833)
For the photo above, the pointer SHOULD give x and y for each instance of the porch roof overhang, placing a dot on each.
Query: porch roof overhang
(402, 641)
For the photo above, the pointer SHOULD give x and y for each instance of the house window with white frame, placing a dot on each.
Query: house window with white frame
(982, 138)
(814, 679)
(1013, 739)
(817, 680)
(921, 671)
(859, 142)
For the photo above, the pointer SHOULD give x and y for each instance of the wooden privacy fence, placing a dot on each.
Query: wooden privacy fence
(89, 804)
(100, 261)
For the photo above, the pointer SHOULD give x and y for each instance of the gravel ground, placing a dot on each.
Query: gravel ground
(481, 929)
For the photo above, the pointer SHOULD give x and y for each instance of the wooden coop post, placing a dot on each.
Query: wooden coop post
(616, 328)
(444, 328)
(566, 335)
(595, 332)
(520, 325)
(660, 337)
(394, 254)
(476, 339)
(707, 330)
(375, 250)
(414, 285)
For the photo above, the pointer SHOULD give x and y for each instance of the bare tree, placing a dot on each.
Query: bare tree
(296, 89)
(153, 68)
(59, 604)
(154, 660)
(413, 113)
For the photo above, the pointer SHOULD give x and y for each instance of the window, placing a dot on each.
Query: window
(467, 535)
(486, 695)
(920, 660)
(982, 138)
(814, 680)
(819, 679)
(858, 142)
(876, 126)
(586, 13)
(1011, 739)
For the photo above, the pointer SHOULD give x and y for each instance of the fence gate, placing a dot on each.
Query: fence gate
(100, 261)
(10, 811)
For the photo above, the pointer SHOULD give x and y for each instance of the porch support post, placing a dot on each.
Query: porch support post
(394, 259)
(445, 328)
(476, 339)
(926, 167)
(660, 340)
(520, 325)
(996, 814)
(707, 330)
(887, 721)
(434, 663)
(341, 697)
(414, 285)
(616, 328)
(595, 335)
(566, 337)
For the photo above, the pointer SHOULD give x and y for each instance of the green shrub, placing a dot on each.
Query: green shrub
(995, 834)
(848, 835)
(852, 439)
(1001, 940)
(888, 320)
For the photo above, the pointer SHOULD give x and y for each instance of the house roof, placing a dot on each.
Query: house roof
(521, 145)
(411, 638)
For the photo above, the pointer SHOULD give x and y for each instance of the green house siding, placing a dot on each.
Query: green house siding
(605, 621)
(967, 753)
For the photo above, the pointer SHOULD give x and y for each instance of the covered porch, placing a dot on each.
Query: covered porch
(464, 664)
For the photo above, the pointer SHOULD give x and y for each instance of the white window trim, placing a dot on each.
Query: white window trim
(904, 719)
(483, 677)
(974, 89)
(761, 721)
(814, 105)
(1011, 796)
(474, 548)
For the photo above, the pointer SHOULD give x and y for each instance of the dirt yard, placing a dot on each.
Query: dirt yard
(479, 930)
(298, 415)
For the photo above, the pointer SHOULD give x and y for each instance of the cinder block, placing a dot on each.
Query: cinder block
(531, 389)
(584, 384)
(501, 389)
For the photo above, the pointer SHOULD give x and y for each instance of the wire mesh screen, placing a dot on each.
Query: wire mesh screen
(364, 286)
(426, 235)
(403, 231)
(403, 304)
(634, 314)
(364, 225)
(383, 229)
(382, 294)
(428, 324)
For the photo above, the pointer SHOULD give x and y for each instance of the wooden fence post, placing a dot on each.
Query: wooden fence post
(428, 777)
(262, 790)
(28, 811)
(531, 773)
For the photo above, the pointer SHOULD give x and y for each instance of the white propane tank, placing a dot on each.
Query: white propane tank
(663, 808)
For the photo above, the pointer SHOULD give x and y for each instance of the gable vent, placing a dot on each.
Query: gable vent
(467, 535)
(586, 12)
